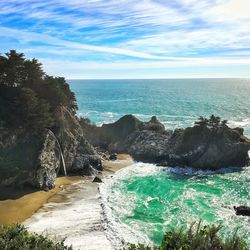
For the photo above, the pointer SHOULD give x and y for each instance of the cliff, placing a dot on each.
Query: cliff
(202, 146)
(26, 158)
(40, 134)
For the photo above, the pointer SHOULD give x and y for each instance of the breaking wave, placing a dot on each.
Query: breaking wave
(142, 202)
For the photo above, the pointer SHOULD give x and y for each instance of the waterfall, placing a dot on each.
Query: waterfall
(60, 150)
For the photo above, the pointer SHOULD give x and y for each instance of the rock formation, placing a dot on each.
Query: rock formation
(242, 210)
(200, 146)
(29, 159)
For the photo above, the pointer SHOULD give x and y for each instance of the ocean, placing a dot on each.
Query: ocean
(143, 201)
(177, 103)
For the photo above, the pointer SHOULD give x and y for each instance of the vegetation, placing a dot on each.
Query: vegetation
(29, 98)
(213, 122)
(196, 238)
(17, 237)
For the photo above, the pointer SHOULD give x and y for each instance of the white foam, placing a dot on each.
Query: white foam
(115, 203)
(191, 171)
(119, 203)
(78, 221)
(243, 122)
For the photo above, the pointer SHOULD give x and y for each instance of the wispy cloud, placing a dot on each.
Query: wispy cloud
(149, 34)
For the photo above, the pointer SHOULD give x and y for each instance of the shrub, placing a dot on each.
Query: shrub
(214, 122)
(196, 238)
(17, 237)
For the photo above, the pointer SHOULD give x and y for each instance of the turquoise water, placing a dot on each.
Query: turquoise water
(177, 103)
(143, 201)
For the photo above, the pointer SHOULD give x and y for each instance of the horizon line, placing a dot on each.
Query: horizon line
(172, 78)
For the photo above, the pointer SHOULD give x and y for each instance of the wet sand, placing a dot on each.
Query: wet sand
(18, 205)
(123, 160)
(75, 214)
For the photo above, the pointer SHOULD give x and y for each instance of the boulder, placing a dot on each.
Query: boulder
(97, 179)
(113, 157)
(242, 210)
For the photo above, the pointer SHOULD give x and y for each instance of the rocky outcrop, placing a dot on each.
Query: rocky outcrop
(200, 147)
(114, 132)
(197, 147)
(242, 210)
(80, 156)
(26, 158)
(48, 164)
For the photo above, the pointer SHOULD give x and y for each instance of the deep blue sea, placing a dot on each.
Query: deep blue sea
(143, 201)
(177, 102)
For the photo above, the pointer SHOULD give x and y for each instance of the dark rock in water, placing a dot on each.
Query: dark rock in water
(200, 146)
(242, 210)
(162, 164)
(113, 157)
(197, 147)
(97, 179)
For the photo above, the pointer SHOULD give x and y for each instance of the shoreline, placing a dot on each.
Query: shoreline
(75, 214)
(18, 205)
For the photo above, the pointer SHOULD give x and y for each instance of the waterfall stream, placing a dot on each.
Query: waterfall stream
(61, 154)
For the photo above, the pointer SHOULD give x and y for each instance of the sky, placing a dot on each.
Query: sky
(97, 39)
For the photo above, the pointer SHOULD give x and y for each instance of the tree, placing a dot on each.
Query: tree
(224, 123)
(214, 121)
(12, 71)
(29, 98)
(202, 122)
(33, 112)
(16, 71)
(57, 92)
(33, 73)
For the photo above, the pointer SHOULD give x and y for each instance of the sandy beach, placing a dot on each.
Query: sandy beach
(75, 213)
(18, 205)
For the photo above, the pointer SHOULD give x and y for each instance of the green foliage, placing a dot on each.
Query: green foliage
(84, 120)
(196, 238)
(86, 123)
(214, 122)
(12, 69)
(17, 237)
(34, 112)
(29, 98)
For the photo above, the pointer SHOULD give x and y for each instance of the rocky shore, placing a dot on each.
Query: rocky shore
(210, 145)
(35, 161)
(78, 205)
(42, 137)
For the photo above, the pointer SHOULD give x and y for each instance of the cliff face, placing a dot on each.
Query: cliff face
(200, 147)
(28, 159)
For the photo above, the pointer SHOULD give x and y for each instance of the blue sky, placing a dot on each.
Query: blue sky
(130, 38)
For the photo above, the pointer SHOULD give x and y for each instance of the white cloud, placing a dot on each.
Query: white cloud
(232, 10)
(25, 36)
(152, 33)
(138, 69)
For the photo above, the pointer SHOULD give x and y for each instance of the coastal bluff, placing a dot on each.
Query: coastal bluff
(40, 133)
(29, 159)
(209, 144)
